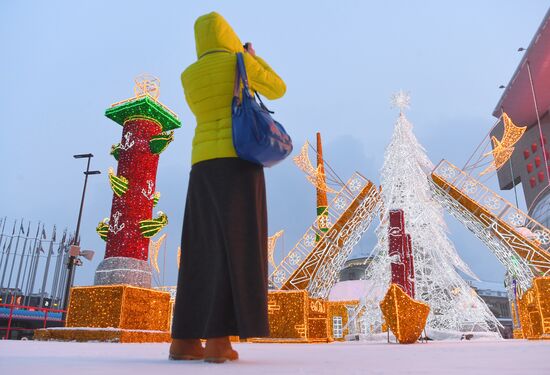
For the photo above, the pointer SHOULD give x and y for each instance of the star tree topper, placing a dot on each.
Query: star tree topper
(401, 100)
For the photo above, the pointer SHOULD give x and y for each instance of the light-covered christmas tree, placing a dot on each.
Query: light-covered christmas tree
(455, 307)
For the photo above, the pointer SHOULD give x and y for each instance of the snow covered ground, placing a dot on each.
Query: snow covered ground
(466, 357)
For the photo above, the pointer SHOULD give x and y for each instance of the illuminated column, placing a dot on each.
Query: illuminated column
(322, 202)
(145, 125)
(400, 250)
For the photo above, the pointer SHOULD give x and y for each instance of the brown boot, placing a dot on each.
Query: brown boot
(186, 350)
(219, 350)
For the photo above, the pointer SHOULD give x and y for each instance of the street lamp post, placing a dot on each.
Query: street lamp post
(76, 241)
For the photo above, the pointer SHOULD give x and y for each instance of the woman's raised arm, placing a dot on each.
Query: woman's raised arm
(262, 78)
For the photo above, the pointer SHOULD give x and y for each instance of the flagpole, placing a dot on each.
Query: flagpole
(1, 238)
(36, 260)
(8, 256)
(22, 258)
(30, 258)
(45, 278)
(55, 280)
(15, 252)
(2, 258)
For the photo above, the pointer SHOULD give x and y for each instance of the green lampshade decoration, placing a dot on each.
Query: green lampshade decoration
(115, 150)
(151, 227)
(103, 228)
(119, 184)
(156, 198)
(158, 143)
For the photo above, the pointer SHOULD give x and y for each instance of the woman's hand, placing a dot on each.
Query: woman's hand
(249, 48)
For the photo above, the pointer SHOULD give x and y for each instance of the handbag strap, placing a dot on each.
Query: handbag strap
(237, 81)
(240, 75)
(242, 69)
(261, 102)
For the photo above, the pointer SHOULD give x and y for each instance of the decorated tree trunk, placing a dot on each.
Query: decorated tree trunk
(131, 225)
(400, 251)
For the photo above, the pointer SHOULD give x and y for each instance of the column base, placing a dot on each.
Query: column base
(87, 334)
(116, 313)
(122, 270)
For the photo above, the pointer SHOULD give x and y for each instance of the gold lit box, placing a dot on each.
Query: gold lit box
(119, 306)
(294, 317)
(534, 310)
(339, 309)
(288, 313)
(317, 320)
(405, 316)
(116, 313)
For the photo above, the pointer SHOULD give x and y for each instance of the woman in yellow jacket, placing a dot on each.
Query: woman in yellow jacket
(222, 282)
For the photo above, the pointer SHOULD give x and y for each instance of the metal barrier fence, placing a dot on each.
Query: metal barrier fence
(34, 317)
(33, 264)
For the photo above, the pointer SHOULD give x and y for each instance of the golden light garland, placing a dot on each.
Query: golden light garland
(154, 248)
(405, 317)
(315, 176)
(271, 242)
(503, 149)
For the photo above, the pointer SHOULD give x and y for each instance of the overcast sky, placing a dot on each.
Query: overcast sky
(64, 62)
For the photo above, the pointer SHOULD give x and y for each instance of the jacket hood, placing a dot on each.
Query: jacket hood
(212, 32)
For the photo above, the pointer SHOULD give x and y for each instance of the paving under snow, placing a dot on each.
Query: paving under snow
(466, 357)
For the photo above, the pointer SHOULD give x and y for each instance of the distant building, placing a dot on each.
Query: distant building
(354, 269)
(529, 164)
(496, 298)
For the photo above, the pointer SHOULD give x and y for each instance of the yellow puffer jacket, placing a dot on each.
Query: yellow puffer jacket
(208, 85)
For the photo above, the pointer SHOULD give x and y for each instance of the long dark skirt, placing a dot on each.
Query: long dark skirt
(222, 282)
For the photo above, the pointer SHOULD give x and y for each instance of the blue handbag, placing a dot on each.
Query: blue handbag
(256, 136)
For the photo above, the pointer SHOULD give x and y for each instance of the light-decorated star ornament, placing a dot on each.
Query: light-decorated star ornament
(401, 100)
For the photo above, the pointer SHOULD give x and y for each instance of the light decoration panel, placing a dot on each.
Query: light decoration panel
(154, 248)
(271, 242)
(520, 243)
(503, 149)
(315, 176)
(312, 264)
